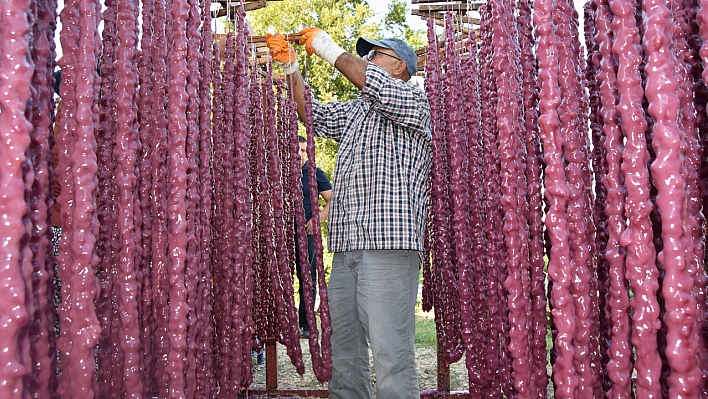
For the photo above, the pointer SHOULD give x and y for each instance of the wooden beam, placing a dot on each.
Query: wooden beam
(449, 6)
(291, 37)
(464, 27)
(456, 6)
(282, 393)
(440, 15)
(222, 12)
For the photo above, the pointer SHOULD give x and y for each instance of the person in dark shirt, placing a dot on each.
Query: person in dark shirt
(325, 191)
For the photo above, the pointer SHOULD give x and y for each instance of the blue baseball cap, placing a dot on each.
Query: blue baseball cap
(401, 48)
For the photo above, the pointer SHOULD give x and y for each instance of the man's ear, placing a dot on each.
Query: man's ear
(401, 70)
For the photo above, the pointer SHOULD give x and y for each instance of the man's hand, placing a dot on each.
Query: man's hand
(308, 227)
(319, 42)
(282, 53)
(308, 34)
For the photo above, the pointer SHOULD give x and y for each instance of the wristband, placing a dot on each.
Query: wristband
(290, 67)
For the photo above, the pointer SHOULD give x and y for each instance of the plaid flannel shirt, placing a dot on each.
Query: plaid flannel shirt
(379, 196)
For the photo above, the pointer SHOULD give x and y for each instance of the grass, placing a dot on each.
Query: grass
(424, 328)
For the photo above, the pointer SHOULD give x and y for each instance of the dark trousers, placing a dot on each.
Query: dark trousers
(302, 315)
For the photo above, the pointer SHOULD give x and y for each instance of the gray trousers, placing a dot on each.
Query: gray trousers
(372, 295)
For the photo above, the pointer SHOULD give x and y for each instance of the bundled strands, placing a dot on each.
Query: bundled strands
(447, 316)
(513, 193)
(137, 254)
(125, 153)
(42, 380)
(223, 270)
(193, 254)
(321, 356)
(204, 301)
(599, 217)
(496, 253)
(106, 216)
(619, 364)
(178, 205)
(147, 325)
(16, 175)
(626, 271)
(280, 272)
(242, 326)
(77, 169)
(670, 182)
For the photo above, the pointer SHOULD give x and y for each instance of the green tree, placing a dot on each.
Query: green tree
(395, 25)
(344, 20)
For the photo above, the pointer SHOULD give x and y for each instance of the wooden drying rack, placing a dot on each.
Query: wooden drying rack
(271, 384)
(258, 45)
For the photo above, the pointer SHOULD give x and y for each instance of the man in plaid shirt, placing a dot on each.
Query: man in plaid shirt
(378, 209)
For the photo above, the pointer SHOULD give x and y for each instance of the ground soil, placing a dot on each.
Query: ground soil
(425, 364)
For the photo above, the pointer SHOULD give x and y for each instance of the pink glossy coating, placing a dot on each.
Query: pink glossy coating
(571, 113)
(15, 93)
(702, 19)
(321, 356)
(159, 198)
(471, 97)
(176, 205)
(687, 64)
(535, 199)
(126, 149)
(227, 264)
(458, 158)
(498, 359)
(641, 271)
(77, 166)
(192, 259)
(620, 352)
(108, 235)
(557, 193)
(662, 94)
(204, 356)
(599, 316)
(242, 326)
(65, 146)
(509, 122)
(41, 330)
(446, 305)
(144, 275)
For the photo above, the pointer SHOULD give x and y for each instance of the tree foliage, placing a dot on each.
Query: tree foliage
(396, 26)
(345, 21)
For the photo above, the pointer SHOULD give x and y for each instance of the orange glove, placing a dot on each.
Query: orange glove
(318, 42)
(306, 40)
(280, 49)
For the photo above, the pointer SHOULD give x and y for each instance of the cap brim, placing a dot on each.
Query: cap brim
(364, 45)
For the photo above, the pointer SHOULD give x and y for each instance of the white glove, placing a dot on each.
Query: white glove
(319, 42)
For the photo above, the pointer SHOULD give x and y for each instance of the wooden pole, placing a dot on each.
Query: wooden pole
(271, 365)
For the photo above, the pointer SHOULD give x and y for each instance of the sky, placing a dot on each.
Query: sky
(380, 8)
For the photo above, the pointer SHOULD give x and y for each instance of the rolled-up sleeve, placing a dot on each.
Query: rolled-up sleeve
(401, 102)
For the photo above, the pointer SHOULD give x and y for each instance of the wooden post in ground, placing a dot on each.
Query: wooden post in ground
(443, 369)
(271, 365)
